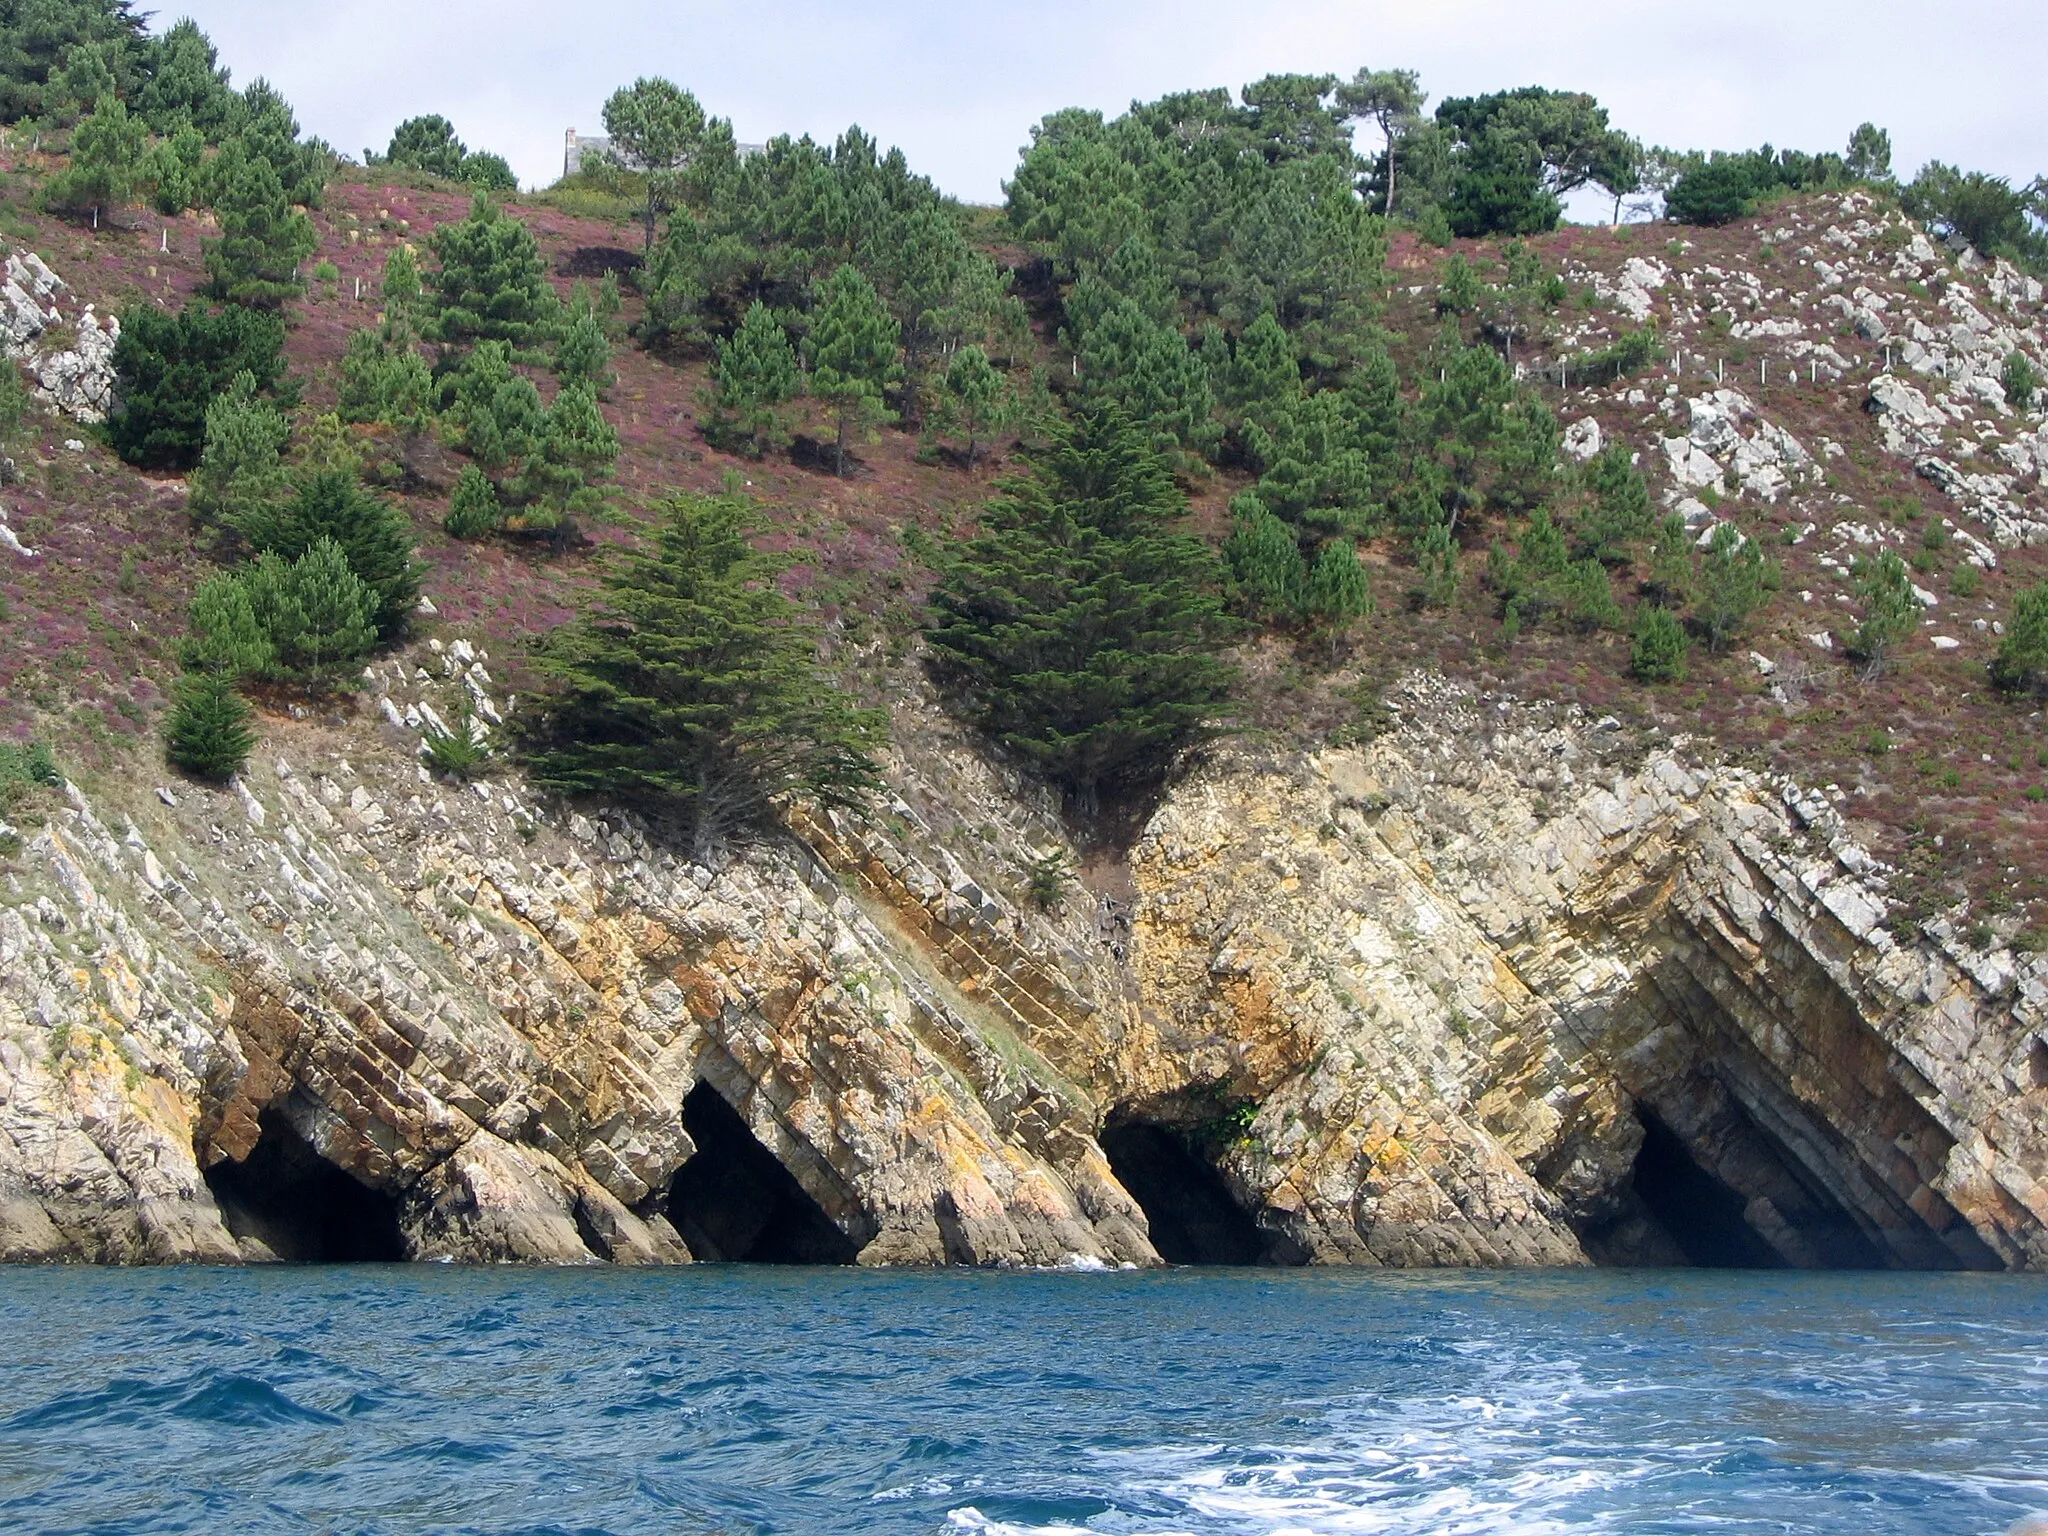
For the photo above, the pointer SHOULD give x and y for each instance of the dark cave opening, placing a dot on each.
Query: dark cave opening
(1190, 1211)
(301, 1207)
(1703, 1216)
(734, 1202)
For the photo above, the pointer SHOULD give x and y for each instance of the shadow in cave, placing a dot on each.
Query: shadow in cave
(734, 1203)
(1701, 1215)
(301, 1207)
(1188, 1207)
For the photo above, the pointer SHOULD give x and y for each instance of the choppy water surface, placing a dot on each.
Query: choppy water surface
(728, 1400)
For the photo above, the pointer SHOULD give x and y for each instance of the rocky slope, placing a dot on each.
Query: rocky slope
(1503, 987)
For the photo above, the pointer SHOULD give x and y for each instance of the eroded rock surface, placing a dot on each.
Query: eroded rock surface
(1502, 987)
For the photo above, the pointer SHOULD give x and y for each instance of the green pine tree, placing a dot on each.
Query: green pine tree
(107, 160)
(1264, 557)
(1621, 516)
(1436, 565)
(263, 237)
(575, 449)
(497, 411)
(583, 352)
(1671, 569)
(1339, 593)
(171, 366)
(1130, 362)
(318, 615)
(1734, 580)
(374, 537)
(1078, 632)
(243, 463)
(403, 292)
(208, 733)
(224, 634)
(2022, 661)
(1891, 612)
(977, 399)
(1262, 382)
(1658, 654)
(692, 687)
(491, 284)
(853, 347)
(754, 377)
(473, 510)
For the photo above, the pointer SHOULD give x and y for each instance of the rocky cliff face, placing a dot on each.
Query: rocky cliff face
(1502, 987)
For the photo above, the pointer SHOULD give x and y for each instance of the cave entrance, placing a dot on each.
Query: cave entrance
(302, 1208)
(1702, 1216)
(1191, 1213)
(734, 1202)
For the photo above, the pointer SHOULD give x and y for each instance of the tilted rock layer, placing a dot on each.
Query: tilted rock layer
(1466, 995)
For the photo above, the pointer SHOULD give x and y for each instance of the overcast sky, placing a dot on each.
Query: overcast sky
(959, 85)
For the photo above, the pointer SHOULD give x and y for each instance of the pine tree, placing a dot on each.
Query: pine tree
(1339, 593)
(497, 411)
(318, 615)
(402, 291)
(174, 169)
(1891, 612)
(473, 510)
(208, 734)
(1265, 559)
(243, 463)
(374, 537)
(224, 634)
(655, 128)
(853, 347)
(428, 144)
(755, 375)
(263, 237)
(1263, 381)
(1132, 363)
(1734, 581)
(1436, 565)
(583, 353)
(491, 284)
(1621, 515)
(383, 380)
(977, 398)
(576, 448)
(1080, 633)
(170, 368)
(691, 686)
(2022, 662)
(1585, 596)
(187, 86)
(107, 160)
(1671, 572)
(1658, 654)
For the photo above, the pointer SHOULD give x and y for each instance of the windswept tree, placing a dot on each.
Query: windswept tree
(1075, 629)
(692, 688)
(1392, 100)
(655, 127)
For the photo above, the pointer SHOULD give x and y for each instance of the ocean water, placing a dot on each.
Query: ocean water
(342, 1401)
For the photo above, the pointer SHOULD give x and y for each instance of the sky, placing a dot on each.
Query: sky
(958, 85)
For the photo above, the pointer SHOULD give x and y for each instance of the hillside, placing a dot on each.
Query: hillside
(1771, 405)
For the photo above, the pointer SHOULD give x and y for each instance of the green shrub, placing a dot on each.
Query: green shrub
(2022, 661)
(1661, 643)
(171, 366)
(473, 510)
(1890, 610)
(2019, 379)
(374, 536)
(459, 752)
(209, 734)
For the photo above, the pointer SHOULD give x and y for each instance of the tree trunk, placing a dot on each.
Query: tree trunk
(839, 456)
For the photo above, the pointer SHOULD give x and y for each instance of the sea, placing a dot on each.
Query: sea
(429, 1399)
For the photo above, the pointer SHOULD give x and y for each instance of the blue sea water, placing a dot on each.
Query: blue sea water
(386, 1400)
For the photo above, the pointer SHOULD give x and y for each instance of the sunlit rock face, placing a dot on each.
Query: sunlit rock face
(1502, 987)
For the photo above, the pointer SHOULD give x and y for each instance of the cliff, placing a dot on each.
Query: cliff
(1504, 986)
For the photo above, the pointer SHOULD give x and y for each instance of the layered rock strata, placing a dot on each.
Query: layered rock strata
(1501, 987)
